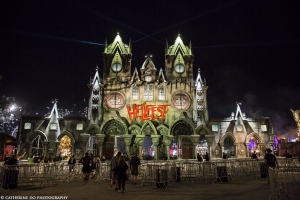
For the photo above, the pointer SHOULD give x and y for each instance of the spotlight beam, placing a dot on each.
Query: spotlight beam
(53, 37)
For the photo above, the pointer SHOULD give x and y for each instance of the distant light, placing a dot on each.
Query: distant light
(12, 107)
(293, 140)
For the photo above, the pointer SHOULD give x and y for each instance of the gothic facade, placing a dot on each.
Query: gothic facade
(156, 113)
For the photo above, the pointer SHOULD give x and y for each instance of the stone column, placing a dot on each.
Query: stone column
(139, 139)
(195, 140)
(167, 139)
(45, 147)
(271, 142)
(221, 147)
(100, 140)
(127, 140)
(155, 141)
(73, 148)
(209, 140)
(247, 149)
(57, 148)
(235, 150)
(30, 148)
(84, 139)
(19, 147)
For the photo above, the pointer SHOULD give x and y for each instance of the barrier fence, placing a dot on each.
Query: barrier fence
(156, 173)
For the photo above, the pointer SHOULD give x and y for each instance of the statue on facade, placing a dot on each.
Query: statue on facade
(296, 115)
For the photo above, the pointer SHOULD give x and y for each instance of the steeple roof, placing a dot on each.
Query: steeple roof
(179, 47)
(117, 45)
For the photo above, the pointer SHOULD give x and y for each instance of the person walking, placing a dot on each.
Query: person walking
(36, 159)
(121, 175)
(271, 161)
(134, 168)
(86, 168)
(206, 157)
(93, 165)
(199, 157)
(113, 165)
(71, 163)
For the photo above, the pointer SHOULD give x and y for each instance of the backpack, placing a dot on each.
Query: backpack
(86, 160)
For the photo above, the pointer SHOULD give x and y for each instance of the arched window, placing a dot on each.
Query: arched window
(135, 92)
(37, 146)
(148, 92)
(161, 92)
(229, 147)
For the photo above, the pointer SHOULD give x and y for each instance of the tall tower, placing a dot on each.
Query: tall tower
(95, 100)
(200, 108)
(117, 61)
(179, 61)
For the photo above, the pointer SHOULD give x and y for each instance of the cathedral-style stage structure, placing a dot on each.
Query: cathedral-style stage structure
(156, 113)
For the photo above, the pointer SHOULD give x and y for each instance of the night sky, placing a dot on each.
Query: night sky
(248, 51)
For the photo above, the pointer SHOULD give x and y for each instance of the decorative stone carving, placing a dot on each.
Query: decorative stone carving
(241, 152)
(78, 151)
(296, 115)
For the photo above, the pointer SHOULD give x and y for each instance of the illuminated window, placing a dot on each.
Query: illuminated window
(161, 92)
(27, 126)
(79, 127)
(263, 127)
(53, 126)
(148, 92)
(135, 92)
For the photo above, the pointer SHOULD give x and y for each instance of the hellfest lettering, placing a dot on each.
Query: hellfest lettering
(147, 112)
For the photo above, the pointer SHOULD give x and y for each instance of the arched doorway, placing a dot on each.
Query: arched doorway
(202, 146)
(37, 146)
(120, 145)
(148, 151)
(113, 130)
(65, 146)
(253, 145)
(181, 132)
(92, 145)
(175, 151)
(229, 147)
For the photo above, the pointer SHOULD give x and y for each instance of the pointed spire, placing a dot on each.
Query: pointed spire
(129, 45)
(238, 111)
(54, 111)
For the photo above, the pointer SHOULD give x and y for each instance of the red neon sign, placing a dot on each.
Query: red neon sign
(147, 112)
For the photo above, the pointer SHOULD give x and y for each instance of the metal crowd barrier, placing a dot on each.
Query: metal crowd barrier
(285, 183)
(103, 172)
(158, 173)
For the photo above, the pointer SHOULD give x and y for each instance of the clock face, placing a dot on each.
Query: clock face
(148, 78)
(116, 67)
(181, 101)
(214, 127)
(179, 68)
(115, 100)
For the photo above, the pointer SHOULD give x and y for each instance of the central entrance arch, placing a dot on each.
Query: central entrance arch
(113, 130)
(182, 145)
